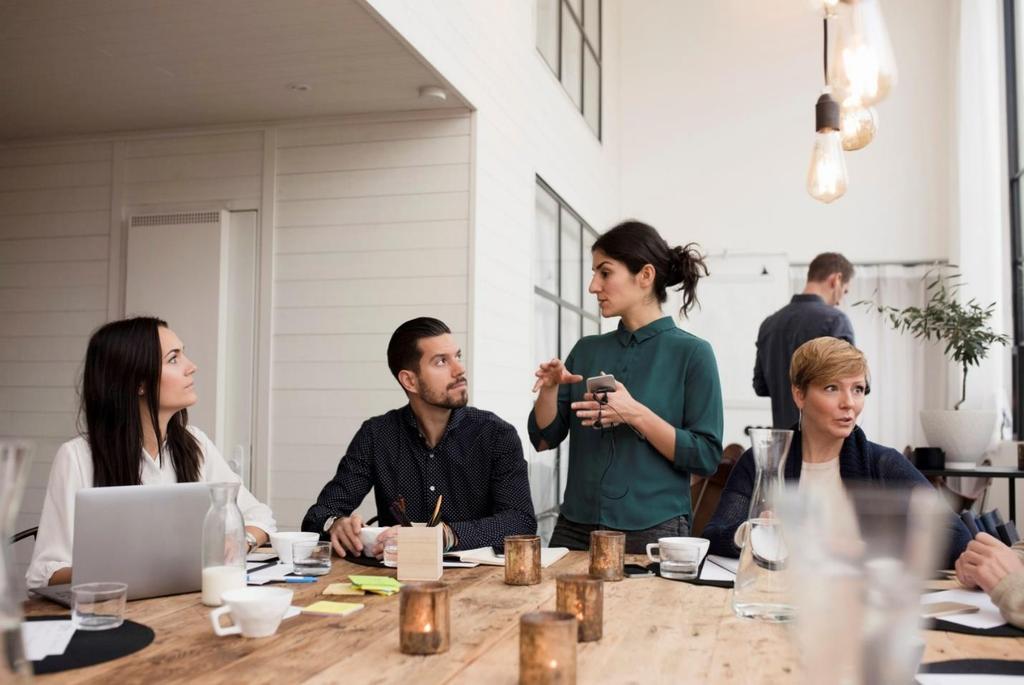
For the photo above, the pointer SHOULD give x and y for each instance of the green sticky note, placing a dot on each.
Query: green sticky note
(367, 582)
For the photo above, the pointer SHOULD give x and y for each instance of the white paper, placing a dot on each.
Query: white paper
(277, 572)
(262, 557)
(967, 679)
(486, 556)
(45, 638)
(987, 617)
(728, 563)
(714, 569)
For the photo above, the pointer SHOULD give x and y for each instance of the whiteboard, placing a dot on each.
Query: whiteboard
(742, 290)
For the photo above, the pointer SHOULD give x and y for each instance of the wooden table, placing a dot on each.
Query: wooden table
(655, 631)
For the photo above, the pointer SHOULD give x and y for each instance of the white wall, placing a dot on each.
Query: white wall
(372, 230)
(526, 125)
(54, 223)
(718, 111)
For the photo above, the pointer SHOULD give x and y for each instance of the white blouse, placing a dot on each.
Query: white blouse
(72, 470)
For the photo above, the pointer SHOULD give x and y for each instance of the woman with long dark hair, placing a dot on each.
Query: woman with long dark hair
(137, 386)
(632, 450)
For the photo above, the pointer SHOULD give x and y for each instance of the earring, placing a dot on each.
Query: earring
(800, 421)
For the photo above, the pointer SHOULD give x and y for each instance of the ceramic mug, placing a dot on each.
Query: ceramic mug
(368, 536)
(282, 543)
(664, 547)
(254, 611)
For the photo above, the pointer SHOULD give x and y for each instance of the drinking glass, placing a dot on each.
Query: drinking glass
(98, 606)
(311, 558)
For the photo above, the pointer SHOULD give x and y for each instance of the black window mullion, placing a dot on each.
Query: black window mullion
(1016, 255)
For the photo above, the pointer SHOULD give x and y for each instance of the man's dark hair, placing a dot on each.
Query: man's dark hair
(404, 349)
(828, 263)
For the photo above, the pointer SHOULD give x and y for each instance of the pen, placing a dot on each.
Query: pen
(300, 579)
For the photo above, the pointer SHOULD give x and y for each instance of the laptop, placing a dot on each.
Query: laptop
(147, 536)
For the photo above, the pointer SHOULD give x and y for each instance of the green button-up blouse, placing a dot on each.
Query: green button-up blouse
(616, 479)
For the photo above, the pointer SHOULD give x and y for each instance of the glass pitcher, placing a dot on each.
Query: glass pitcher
(761, 585)
(224, 547)
(14, 467)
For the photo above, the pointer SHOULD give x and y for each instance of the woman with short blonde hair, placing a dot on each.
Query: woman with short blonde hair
(829, 379)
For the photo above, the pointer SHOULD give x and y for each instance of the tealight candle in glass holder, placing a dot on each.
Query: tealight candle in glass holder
(522, 560)
(582, 596)
(547, 648)
(607, 554)
(423, 618)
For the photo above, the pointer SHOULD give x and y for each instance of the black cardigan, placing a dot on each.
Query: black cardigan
(859, 460)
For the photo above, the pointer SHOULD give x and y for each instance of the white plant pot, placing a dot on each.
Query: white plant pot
(963, 435)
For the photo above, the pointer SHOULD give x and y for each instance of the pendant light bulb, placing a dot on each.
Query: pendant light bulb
(826, 178)
(863, 66)
(858, 125)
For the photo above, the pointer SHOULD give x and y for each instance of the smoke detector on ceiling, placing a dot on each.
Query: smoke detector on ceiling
(433, 93)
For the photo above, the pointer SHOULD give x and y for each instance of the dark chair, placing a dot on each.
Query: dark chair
(27, 533)
(705, 491)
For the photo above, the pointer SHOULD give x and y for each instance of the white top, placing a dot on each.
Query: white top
(822, 477)
(72, 470)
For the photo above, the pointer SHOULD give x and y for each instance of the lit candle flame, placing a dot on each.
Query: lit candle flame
(552, 664)
(427, 628)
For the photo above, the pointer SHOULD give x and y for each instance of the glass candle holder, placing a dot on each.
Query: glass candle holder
(423, 618)
(607, 550)
(522, 560)
(547, 648)
(583, 597)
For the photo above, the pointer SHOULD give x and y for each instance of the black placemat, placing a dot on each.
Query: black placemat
(999, 631)
(90, 647)
(975, 667)
(656, 568)
(365, 561)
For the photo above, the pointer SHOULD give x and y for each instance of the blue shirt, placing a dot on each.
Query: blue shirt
(477, 465)
(617, 479)
(806, 317)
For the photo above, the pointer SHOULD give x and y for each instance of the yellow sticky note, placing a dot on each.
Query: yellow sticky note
(326, 608)
(342, 589)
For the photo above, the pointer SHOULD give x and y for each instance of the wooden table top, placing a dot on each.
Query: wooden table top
(655, 631)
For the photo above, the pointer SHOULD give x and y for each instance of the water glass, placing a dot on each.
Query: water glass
(98, 606)
(311, 558)
(391, 553)
(680, 563)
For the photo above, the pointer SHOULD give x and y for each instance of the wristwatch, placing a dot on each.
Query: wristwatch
(329, 522)
(251, 541)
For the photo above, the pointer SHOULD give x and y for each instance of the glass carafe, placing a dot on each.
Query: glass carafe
(761, 584)
(224, 547)
(14, 466)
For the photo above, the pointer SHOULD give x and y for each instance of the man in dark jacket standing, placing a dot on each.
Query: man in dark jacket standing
(811, 314)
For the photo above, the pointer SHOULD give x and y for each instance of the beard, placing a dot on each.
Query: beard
(449, 398)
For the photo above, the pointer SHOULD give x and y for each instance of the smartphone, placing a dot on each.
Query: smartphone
(605, 383)
(937, 609)
(636, 571)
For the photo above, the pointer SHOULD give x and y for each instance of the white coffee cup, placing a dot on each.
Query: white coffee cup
(368, 536)
(255, 611)
(282, 543)
(671, 549)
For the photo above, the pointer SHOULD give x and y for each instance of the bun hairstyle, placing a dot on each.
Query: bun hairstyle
(637, 244)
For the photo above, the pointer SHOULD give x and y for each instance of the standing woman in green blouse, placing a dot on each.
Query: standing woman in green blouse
(631, 451)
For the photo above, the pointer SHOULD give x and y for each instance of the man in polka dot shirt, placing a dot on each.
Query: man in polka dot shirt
(435, 445)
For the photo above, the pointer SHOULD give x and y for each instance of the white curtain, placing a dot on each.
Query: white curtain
(907, 374)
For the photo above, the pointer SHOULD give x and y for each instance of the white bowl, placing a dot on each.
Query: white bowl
(282, 543)
(368, 536)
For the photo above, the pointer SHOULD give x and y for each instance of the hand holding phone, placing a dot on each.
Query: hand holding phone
(602, 383)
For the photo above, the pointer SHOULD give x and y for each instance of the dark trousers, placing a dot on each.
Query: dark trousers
(577, 535)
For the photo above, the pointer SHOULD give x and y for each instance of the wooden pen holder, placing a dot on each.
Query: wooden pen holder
(419, 552)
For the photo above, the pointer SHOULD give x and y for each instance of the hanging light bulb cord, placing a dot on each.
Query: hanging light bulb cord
(824, 23)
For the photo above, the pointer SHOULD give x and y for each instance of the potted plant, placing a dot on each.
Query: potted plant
(963, 328)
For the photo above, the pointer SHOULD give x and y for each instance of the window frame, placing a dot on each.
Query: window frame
(565, 305)
(1016, 172)
(586, 44)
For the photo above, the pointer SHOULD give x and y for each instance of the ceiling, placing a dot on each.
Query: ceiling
(71, 67)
